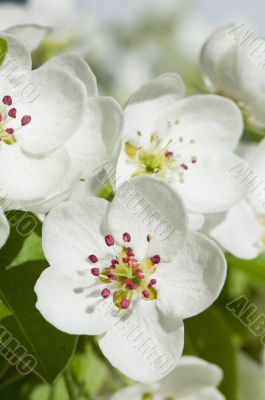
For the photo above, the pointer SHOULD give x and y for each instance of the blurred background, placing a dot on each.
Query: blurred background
(126, 44)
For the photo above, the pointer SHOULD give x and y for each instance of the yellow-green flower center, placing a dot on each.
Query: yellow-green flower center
(126, 277)
(159, 159)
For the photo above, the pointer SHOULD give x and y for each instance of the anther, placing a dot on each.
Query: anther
(93, 258)
(139, 274)
(12, 113)
(151, 283)
(95, 271)
(133, 263)
(184, 166)
(105, 293)
(130, 284)
(7, 100)
(25, 120)
(109, 240)
(126, 237)
(125, 304)
(169, 154)
(129, 252)
(146, 294)
(155, 259)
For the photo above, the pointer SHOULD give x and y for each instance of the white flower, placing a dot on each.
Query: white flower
(231, 71)
(4, 229)
(133, 254)
(70, 24)
(187, 142)
(242, 232)
(53, 127)
(192, 379)
(251, 376)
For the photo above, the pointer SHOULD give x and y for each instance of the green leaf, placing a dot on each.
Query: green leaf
(208, 337)
(4, 311)
(44, 392)
(3, 49)
(89, 369)
(51, 348)
(24, 242)
(254, 269)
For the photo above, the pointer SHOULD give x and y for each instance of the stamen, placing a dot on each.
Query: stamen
(105, 293)
(139, 274)
(95, 271)
(12, 113)
(10, 131)
(25, 120)
(109, 240)
(7, 100)
(129, 252)
(169, 154)
(93, 258)
(155, 259)
(133, 263)
(184, 166)
(125, 304)
(149, 237)
(146, 294)
(151, 283)
(126, 237)
(112, 277)
(130, 284)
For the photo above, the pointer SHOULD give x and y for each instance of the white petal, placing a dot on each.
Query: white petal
(4, 229)
(208, 119)
(71, 232)
(57, 112)
(68, 304)
(26, 178)
(98, 140)
(144, 345)
(213, 51)
(151, 98)
(41, 206)
(209, 185)
(77, 67)
(234, 72)
(207, 393)
(146, 205)
(17, 63)
(190, 375)
(196, 221)
(31, 35)
(193, 281)
(240, 232)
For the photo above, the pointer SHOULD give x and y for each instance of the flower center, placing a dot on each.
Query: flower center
(8, 114)
(126, 277)
(159, 159)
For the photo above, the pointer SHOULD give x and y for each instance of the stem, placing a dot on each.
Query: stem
(70, 384)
